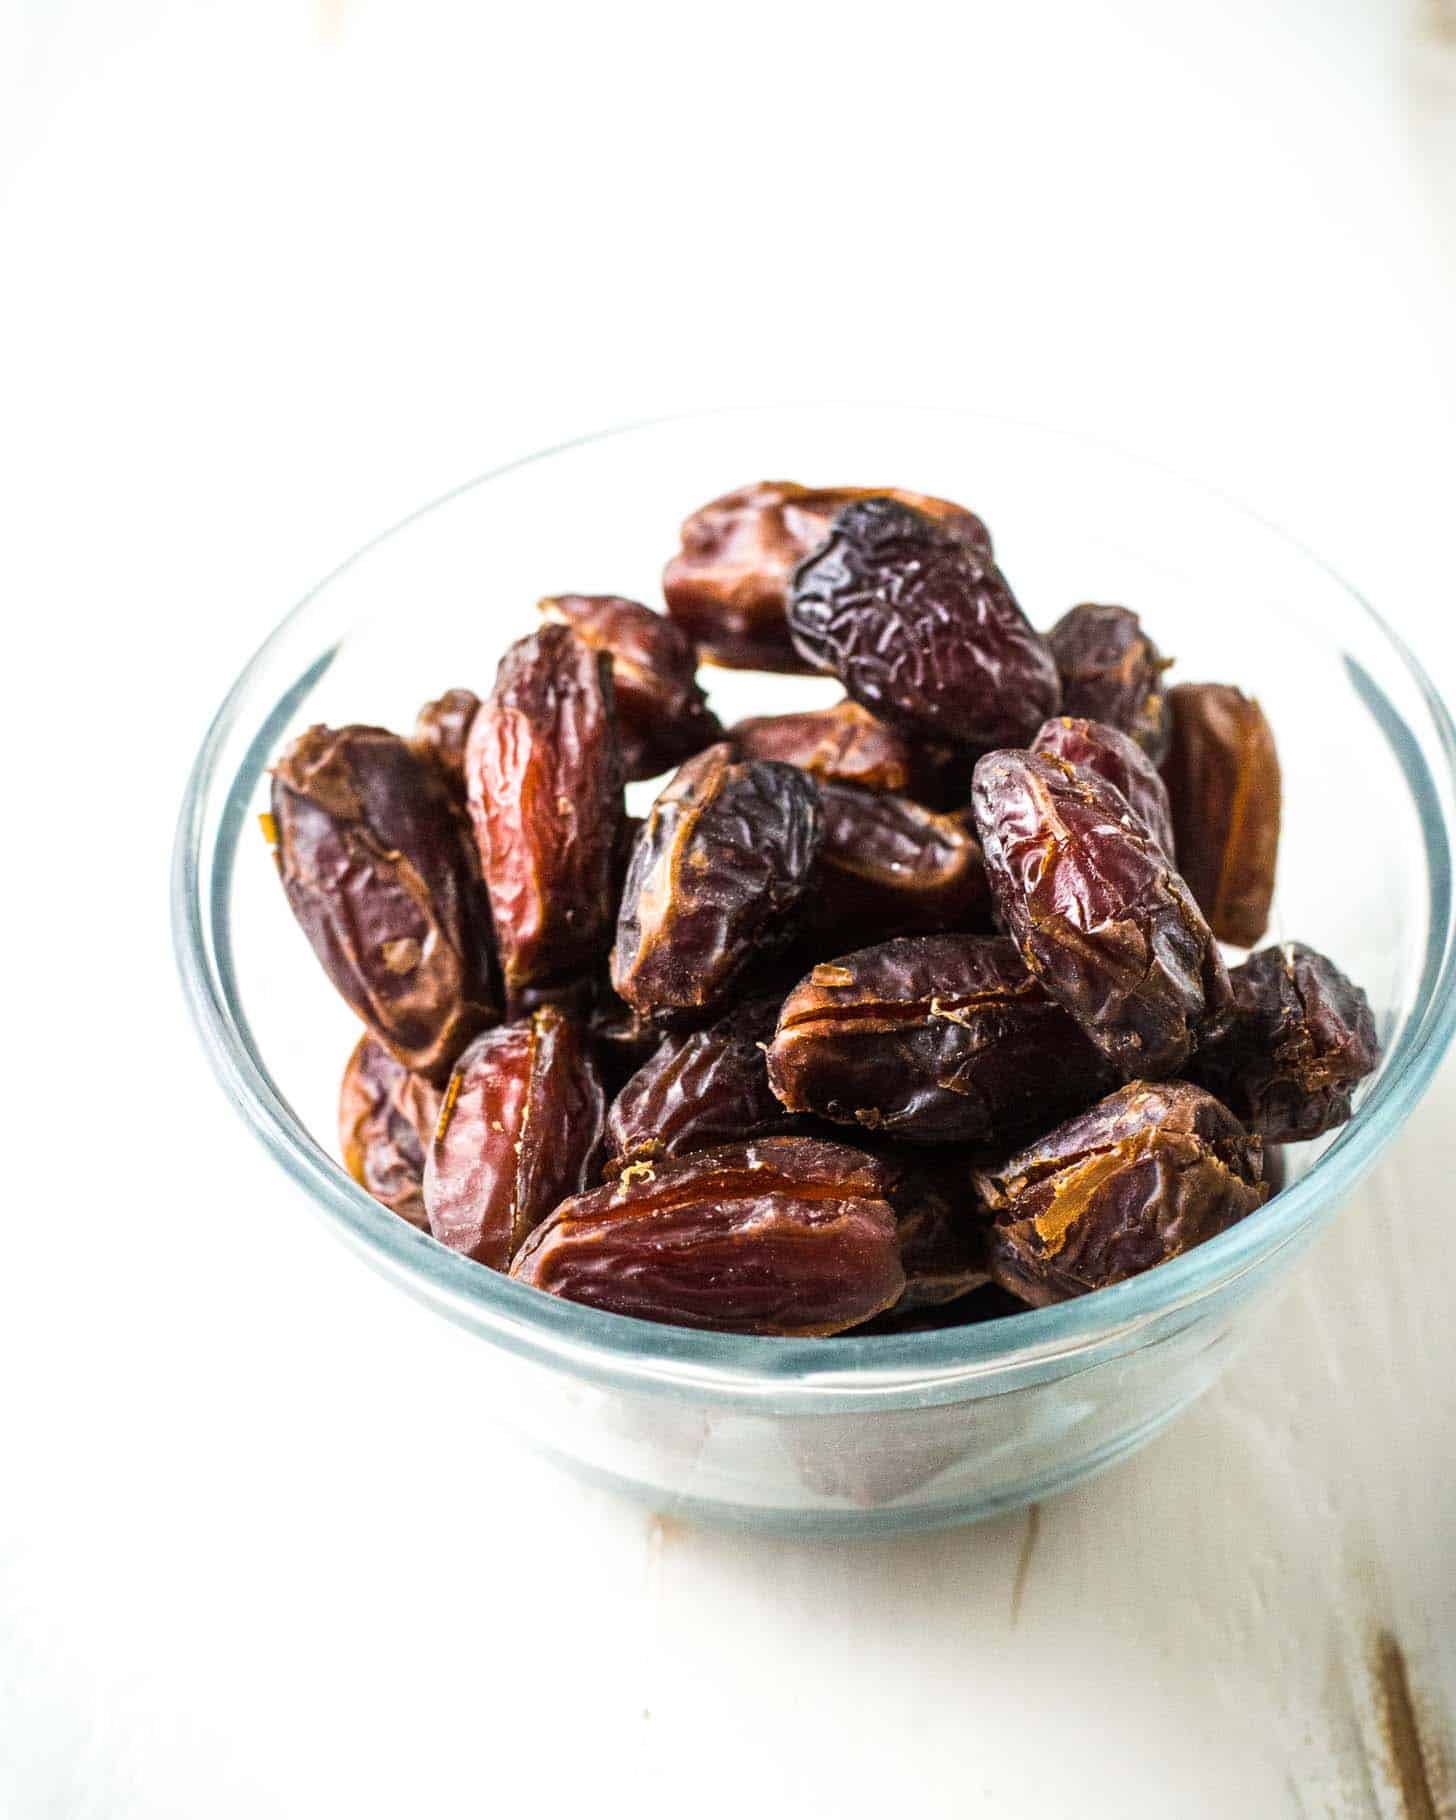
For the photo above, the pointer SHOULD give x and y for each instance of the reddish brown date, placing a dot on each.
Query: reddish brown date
(728, 585)
(383, 882)
(888, 867)
(519, 1130)
(1301, 1039)
(663, 716)
(441, 730)
(941, 1039)
(780, 1236)
(1113, 672)
(697, 1090)
(843, 744)
(1121, 761)
(713, 883)
(544, 771)
(1223, 780)
(386, 1117)
(922, 630)
(1148, 1173)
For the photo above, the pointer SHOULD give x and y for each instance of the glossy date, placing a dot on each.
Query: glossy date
(386, 1118)
(843, 744)
(441, 729)
(1118, 760)
(1112, 671)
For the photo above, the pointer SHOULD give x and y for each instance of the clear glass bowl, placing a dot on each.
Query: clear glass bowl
(888, 1432)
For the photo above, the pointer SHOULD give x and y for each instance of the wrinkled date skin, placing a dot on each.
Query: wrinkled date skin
(1302, 1037)
(1223, 780)
(520, 1129)
(941, 1039)
(922, 630)
(386, 1117)
(843, 744)
(1097, 912)
(1112, 671)
(714, 878)
(942, 1233)
(663, 716)
(888, 867)
(380, 875)
(441, 729)
(544, 771)
(728, 585)
(1121, 761)
(704, 1088)
(781, 1236)
(1151, 1171)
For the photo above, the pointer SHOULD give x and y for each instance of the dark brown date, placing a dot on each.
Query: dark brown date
(934, 1039)
(1112, 671)
(519, 1130)
(728, 585)
(663, 716)
(888, 867)
(843, 744)
(1222, 773)
(713, 883)
(780, 1236)
(922, 630)
(1097, 912)
(441, 730)
(1301, 1038)
(1151, 1171)
(704, 1088)
(386, 1117)
(384, 884)
(942, 1234)
(1121, 761)
(544, 771)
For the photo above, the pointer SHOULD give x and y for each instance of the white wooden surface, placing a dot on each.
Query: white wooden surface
(275, 273)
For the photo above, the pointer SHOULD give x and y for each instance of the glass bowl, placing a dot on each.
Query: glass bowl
(848, 1435)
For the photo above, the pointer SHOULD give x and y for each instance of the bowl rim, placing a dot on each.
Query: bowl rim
(884, 1370)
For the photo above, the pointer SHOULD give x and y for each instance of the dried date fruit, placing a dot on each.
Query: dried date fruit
(889, 867)
(386, 1116)
(384, 884)
(1301, 1039)
(715, 877)
(843, 744)
(1092, 902)
(942, 1237)
(544, 772)
(728, 585)
(1222, 773)
(933, 1040)
(922, 630)
(663, 716)
(1151, 1171)
(441, 730)
(1112, 671)
(703, 1088)
(1121, 761)
(780, 1236)
(519, 1130)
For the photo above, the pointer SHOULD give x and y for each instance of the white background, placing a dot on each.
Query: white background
(273, 273)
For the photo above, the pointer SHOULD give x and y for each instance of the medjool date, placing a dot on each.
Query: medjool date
(663, 716)
(383, 882)
(843, 744)
(1222, 773)
(519, 1130)
(441, 730)
(544, 770)
(781, 1236)
(1082, 886)
(888, 867)
(1112, 671)
(938, 1039)
(922, 630)
(1300, 1040)
(386, 1117)
(715, 877)
(1118, 759)
(1149, 1172)
(728, 585)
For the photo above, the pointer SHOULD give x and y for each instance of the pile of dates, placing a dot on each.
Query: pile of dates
(903, 1012)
